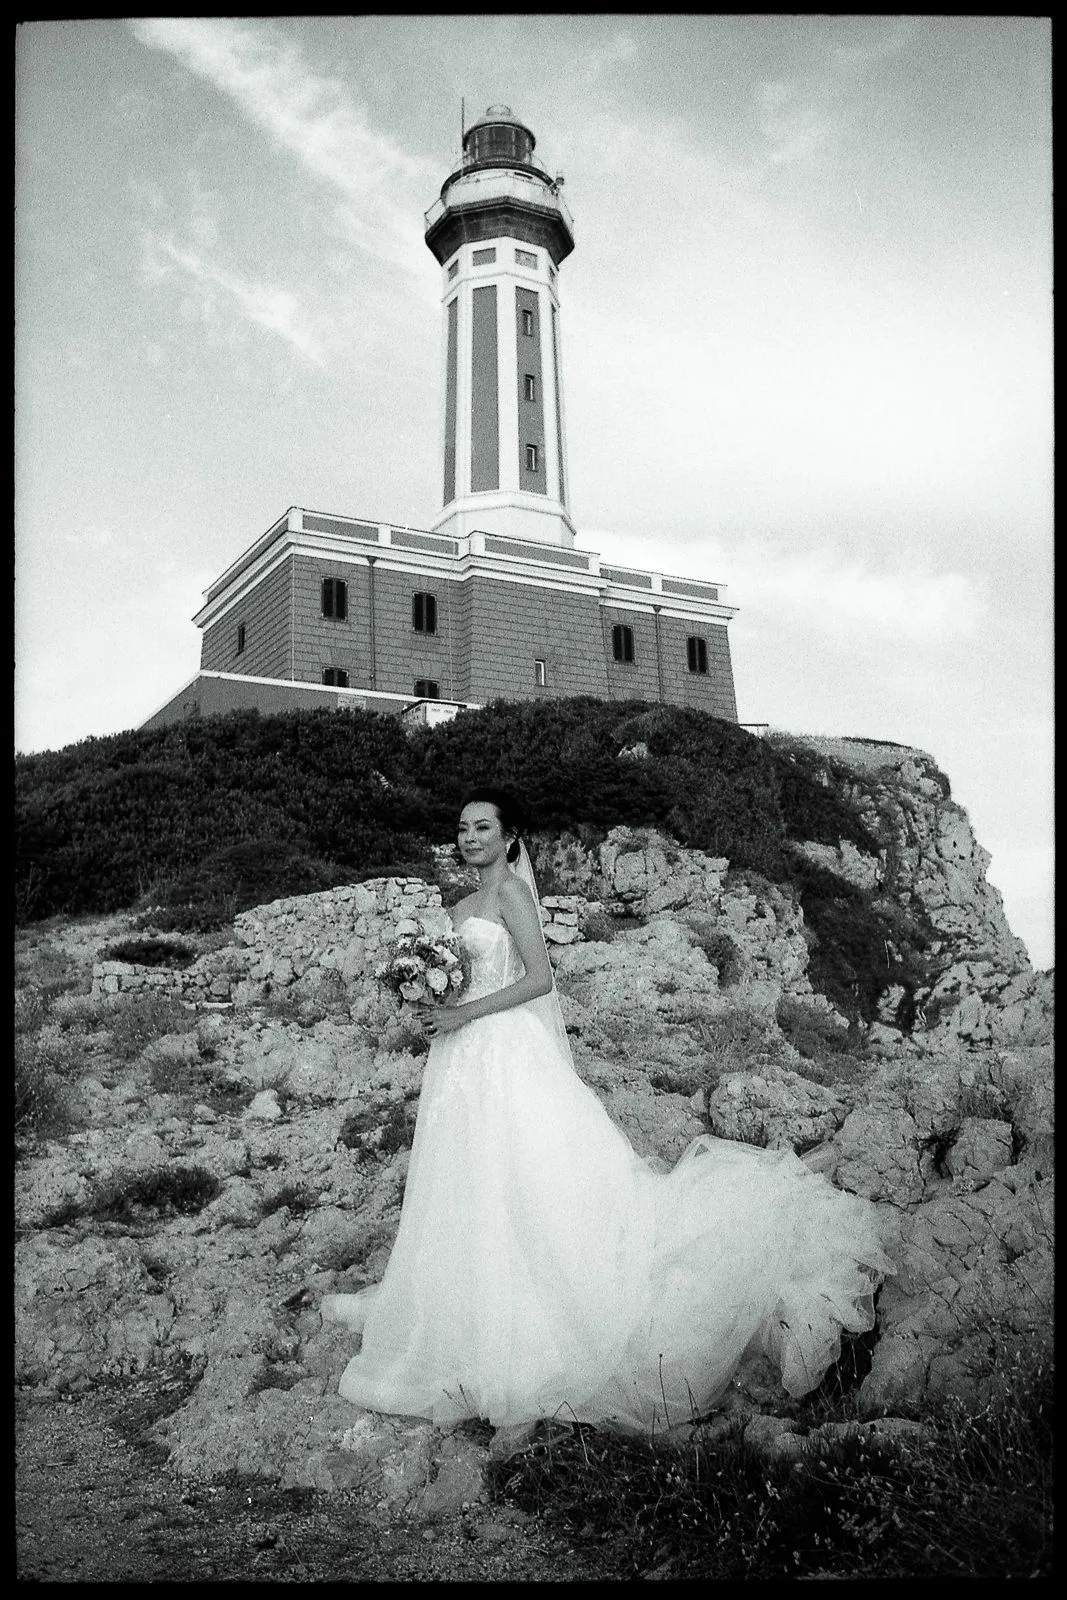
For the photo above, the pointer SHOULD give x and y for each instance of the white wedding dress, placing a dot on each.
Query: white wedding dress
(542, 1267)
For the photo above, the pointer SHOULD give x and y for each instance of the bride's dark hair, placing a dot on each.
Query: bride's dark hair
(507, 808)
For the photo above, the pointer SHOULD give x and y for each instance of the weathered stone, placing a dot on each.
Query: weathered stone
(982, 1146)
(264, 1106)
(878, 1154)
(774, 1107)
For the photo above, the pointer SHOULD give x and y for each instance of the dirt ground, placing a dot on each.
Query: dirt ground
(92, 1507)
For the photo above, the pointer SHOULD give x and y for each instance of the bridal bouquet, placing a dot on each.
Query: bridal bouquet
(425, 968)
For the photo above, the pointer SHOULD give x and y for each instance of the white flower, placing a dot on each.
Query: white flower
(438, 981)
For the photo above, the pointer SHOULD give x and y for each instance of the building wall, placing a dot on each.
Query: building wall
(514, 624)
(712, 691)
(320, 641)
(209, 697)
(490, 632)
(451, 391)
(404, 656)
(265, 614)
(637, 679)
(461, 612)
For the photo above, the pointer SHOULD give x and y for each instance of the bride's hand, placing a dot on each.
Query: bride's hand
(441, 1019)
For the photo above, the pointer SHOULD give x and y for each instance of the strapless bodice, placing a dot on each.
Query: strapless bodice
(495, 962)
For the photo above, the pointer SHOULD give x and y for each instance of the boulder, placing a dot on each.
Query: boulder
(774, 1107)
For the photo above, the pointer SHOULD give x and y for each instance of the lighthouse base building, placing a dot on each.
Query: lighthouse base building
(326, 610)
(495, 600)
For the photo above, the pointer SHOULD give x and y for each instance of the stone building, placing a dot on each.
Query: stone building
(494, 599)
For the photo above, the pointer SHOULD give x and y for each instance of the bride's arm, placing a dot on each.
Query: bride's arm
(520, 916)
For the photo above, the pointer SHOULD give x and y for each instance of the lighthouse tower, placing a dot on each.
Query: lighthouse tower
(499, 231)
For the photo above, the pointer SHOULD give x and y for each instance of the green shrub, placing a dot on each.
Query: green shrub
(600, 927)
(74, 1011)
(150, 952)
(296, 1198)
(197, 916)
(721, 951)
(730, 1041)
(378, 1131)
(249, 873)
(133, 1197)
(44, 1104)
(809, 1030)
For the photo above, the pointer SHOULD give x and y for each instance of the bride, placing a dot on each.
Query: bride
(541, 1266)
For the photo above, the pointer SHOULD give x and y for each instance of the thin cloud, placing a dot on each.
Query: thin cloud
(853, 599)
(278, 310)
(850, 598)
(795, 120)
(619, 50)
(803, 115)
(311, 116)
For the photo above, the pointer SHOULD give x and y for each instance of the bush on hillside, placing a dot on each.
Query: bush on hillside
(209, 817)
(149, 952)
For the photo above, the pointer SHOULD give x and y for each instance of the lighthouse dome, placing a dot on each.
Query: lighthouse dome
(499, 138)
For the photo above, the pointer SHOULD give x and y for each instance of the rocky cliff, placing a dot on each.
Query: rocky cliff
(253, 1159)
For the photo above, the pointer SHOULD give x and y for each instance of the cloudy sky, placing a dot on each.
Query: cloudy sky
(806, 335)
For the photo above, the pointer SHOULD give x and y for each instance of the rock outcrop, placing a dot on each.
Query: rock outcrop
(236, 1173)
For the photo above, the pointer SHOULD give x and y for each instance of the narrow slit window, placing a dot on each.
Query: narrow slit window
(531, 458)
(426, 689)
(539, 674)
(529, 387)
(697, 652)
(527, 323)
(336, 677)
(241, 637)
(424, 613)
(335, 599)
(622, 642)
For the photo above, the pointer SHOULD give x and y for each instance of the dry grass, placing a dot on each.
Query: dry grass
(975, 1501)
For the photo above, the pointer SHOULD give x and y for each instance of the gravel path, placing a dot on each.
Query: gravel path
(91, 1507)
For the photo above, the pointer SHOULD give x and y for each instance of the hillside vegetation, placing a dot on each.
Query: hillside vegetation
(201, 820)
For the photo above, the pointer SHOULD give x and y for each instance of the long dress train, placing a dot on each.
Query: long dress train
(541, 1266)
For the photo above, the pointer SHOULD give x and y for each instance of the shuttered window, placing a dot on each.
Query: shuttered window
(335, 599)
(622, 642)
(697, 653)
(424, 613)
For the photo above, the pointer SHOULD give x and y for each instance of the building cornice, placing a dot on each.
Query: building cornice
(523, 565)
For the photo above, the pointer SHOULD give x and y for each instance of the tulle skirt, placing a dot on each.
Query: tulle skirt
(542, 1267)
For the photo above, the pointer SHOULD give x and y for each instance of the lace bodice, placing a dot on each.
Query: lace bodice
(495, 962)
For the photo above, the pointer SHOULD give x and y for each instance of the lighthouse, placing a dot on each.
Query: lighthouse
(492, 599)
(500, 230)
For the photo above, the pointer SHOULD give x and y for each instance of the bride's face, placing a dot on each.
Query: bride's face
(481, 836)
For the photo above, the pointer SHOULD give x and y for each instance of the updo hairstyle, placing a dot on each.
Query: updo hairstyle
(508, 809)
